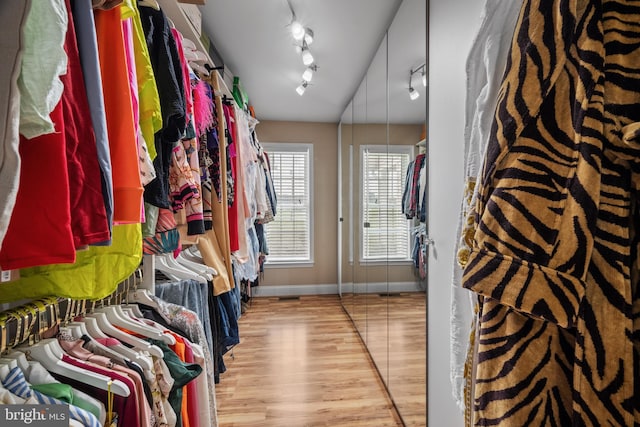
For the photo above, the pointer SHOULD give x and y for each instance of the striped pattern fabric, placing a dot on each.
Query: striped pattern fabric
(17, 384)
(556, 252)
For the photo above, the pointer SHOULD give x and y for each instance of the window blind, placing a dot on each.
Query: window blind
(289, 235)
(385, 229)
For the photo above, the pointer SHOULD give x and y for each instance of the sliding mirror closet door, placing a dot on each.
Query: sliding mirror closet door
(375, 205)
(360, 288)
(383, 231)
(407, 131)
(345, 215)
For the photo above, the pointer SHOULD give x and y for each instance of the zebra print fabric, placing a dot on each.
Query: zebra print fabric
(555, 257)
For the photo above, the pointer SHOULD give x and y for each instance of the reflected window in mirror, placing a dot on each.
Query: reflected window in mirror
(385, 229)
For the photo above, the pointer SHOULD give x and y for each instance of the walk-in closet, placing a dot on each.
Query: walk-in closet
(308, 213)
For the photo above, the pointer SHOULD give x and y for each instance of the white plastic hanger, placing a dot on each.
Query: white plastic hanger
(118, 318)
(49, 353)
(167, 264)
(20, 359)
(141, 296)
(199, 68)
(11, 363)
(106, 327)
(94, 331)
(188, 44)
(193, 55)
(134, 309)
(197, 267)
(162, 266)
(193, 254)
(4, 371)
(78, 330)
(167, 338)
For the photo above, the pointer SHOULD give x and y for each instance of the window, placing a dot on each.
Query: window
(385, 229)
(289, 235)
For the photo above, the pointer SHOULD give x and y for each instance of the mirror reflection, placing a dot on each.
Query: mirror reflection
(383, 187)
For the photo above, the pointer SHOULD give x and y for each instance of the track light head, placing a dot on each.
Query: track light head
(297, 30)
(308, 73)
(303, 86)
(308, 35)
(413, 94)
(307, 57)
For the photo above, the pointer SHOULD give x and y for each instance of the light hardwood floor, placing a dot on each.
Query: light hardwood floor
(397, 339)
(301, 363)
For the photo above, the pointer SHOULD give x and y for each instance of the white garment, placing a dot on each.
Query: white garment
(13, 18)
(262, 203)
(203, 388)
(147, 171)
(36, 374)
(485, 68)
(165, 382)
(44, 61)
(8, 398)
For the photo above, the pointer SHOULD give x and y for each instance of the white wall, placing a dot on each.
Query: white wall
(453, 24)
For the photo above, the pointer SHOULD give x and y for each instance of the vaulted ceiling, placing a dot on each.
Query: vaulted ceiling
(255, 42)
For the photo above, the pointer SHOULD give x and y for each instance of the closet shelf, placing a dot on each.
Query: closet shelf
(175, 13)
(422, 143)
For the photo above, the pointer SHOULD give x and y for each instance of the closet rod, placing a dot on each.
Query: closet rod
(29, 322)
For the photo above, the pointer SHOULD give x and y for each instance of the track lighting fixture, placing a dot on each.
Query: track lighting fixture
(305, 36)
(307, 57)
(308, 35)
(303, 86)
(308, 73)
(414, 94)
(297, 30)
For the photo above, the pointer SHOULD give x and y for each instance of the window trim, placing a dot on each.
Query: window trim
(296, 147)
(379, 148)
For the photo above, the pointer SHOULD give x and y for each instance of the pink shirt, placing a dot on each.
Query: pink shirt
(126, 408)
(75, 349)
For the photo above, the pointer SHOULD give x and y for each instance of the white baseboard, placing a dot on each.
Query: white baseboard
(381, 287)
(332, 289)
(291, 290)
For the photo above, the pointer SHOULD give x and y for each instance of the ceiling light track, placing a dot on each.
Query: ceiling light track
(304, 36)
(413, 93)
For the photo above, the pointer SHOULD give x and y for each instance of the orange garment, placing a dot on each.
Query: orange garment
(180, 350)
(119, 111)
(189, 408)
